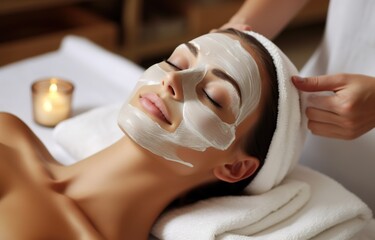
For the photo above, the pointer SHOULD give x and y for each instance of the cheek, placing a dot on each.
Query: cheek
(207, 125)
(220, 96)
(152, 75)
(200, 117)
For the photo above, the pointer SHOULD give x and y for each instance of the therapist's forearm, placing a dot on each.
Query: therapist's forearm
(267, 17)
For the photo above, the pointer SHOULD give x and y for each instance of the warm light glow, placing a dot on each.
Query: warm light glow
(53, 87)
(47, 106)
(51, 101)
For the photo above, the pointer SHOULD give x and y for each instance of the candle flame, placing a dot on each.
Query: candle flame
(53, 87)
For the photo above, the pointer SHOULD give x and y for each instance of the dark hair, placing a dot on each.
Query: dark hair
(257, 142)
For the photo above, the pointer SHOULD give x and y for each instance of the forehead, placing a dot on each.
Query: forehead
(228, 54)
(224, 52)
(222, 48)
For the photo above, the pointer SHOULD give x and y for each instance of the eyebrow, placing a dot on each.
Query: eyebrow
(220, 74)
(217, 72)
(193, 49)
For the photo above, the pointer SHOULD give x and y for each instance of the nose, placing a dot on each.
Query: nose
(172, 86)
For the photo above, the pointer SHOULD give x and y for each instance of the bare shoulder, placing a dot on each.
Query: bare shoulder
(29, 206)
(14, 133)
(14, 142)
(12, 129)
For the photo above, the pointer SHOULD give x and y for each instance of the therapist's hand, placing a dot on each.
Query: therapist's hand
(347, 113)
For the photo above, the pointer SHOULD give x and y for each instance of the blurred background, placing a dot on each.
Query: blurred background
(144, 31)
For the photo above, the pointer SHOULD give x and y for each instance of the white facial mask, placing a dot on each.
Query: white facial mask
(200, 127)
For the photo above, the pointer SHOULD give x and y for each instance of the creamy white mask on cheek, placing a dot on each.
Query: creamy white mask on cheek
(201, 127)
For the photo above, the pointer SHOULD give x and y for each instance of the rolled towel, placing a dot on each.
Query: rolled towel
(290, 133)
(306, 205)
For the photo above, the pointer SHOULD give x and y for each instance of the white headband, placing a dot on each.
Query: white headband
(290, 132)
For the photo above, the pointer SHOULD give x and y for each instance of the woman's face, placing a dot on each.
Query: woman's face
(196, 100)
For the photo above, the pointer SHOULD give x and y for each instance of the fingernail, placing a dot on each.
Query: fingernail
(298, 79)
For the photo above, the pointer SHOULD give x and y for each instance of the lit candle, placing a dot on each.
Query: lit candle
(51, 101)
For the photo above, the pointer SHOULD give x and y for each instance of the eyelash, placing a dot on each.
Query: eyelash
(173, 65)
(211, 100)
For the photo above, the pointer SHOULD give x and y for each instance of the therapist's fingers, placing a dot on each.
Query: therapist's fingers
(334, 131)
(318, 115)
(347, 111)
(328, 83)
(320, 83)
(324, 102)
(329, 124)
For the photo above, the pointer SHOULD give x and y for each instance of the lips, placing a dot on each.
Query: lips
(155, 106)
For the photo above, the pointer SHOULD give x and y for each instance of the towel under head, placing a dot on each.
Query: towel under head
(290, 132)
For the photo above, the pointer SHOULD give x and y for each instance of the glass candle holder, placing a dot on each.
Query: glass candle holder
(52, 101)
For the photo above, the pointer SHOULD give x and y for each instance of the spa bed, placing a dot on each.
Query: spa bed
(100, 79)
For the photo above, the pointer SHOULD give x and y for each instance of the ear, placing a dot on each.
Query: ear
(242, 168)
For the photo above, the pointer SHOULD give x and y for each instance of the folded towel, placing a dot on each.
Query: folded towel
(90, 132)
(306, 205)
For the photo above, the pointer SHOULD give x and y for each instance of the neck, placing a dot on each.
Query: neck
(123, 189)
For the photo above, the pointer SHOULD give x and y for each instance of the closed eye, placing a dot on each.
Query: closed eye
(172, 65)
(216, 104)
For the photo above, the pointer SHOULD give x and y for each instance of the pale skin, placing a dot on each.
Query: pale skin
(350, 112)
(117, 193)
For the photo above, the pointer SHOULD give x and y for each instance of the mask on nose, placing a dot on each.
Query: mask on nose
(200, 127)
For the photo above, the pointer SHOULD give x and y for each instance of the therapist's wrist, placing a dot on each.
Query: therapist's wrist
(237, 22)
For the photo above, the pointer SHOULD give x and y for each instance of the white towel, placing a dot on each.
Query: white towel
(90, 132)
(291, 128)
(284, 213)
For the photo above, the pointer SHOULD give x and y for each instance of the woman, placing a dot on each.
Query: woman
(210, 110)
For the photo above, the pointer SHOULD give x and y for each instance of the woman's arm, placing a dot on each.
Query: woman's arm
(267, 17)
